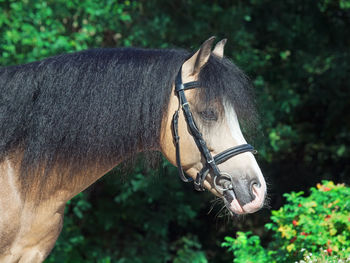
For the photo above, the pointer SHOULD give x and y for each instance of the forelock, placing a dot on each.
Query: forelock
(222, 80)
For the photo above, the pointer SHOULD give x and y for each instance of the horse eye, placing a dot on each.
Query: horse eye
(209, 115)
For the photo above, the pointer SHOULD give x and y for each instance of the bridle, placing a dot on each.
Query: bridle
(210, 161)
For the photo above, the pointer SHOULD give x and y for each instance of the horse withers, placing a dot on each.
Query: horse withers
(67, 120)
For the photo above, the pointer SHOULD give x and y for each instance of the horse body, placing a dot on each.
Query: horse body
(28, 229)
(30, 226)
(68, 120)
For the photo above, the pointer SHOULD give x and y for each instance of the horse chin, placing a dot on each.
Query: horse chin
(233, 205)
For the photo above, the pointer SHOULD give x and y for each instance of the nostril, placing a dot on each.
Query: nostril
(255, 183)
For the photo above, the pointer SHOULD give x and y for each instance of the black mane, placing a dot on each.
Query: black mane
(100, 105)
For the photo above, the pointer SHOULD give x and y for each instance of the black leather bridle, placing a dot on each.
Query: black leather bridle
(211, 162)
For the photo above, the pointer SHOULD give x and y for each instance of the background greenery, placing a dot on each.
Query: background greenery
(297, 53)
(310, 229)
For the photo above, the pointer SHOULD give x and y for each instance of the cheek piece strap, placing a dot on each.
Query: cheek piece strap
(210, 161)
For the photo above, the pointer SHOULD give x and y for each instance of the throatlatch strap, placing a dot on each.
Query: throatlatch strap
(177, 145)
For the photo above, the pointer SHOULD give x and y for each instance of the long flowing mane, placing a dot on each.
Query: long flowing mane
(100, 105)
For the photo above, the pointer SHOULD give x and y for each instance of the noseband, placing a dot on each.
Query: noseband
(210, 161)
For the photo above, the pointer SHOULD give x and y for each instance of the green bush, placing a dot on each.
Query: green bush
(312, 229)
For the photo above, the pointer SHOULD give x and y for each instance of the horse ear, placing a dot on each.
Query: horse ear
(219, 48)
(193, 65)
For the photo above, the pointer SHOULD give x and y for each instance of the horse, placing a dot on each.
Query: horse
(67, 120)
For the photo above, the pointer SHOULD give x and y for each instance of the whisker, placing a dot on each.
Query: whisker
(267, 202)
(213, 202)
(219, 213)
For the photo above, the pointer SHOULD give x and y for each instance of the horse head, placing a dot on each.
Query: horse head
(211, 90)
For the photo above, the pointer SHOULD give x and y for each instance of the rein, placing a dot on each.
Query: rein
(210, 161)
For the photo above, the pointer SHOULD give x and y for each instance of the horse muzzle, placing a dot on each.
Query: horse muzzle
(241, 196)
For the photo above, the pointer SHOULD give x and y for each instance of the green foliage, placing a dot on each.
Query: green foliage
(247, 248)
(305, 228)
(189, 251)
(32, 30)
